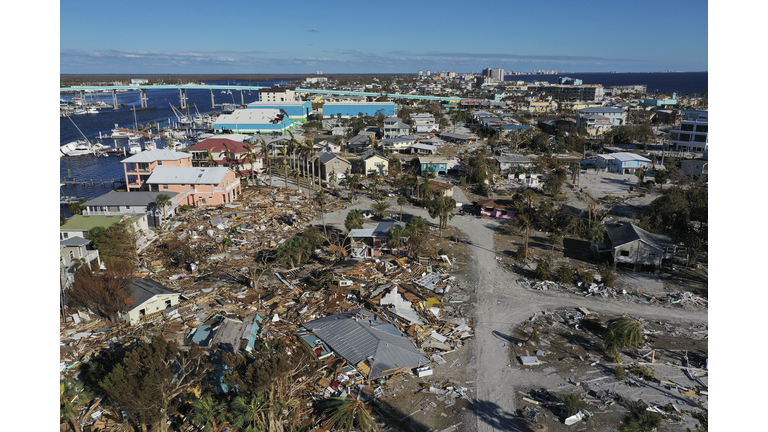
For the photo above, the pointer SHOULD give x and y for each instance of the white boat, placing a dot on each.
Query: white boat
(69, 147)
(99, 147)
(134, 147)
(92, 110)
(150, 145)
(116, 133)
(80, 112)
(176, 145)
(82, 150)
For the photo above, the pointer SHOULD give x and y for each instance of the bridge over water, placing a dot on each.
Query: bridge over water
(241, 88)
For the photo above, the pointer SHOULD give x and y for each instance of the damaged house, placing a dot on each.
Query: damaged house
(148, 297)
(377, 349)
(372, 243)
(632, 245)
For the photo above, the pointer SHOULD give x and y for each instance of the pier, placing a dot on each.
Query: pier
(113, 183)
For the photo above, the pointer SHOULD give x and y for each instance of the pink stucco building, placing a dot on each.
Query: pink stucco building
(170, 171)
(196, 186)
(139, 167)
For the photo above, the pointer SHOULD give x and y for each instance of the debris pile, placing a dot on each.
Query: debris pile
(684, 299)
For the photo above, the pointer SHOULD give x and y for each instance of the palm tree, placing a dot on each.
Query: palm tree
(162, 201)
(251, 157)
(380, 207)
(295, 174)
(228, 156)
(320, 198)
(250, 415)
(293, 146)
(441, 209)
(347, 414)
(528, 195)
(555, 237)
(425, 188)
(401, 201)
(209, 158)
(67, 409)
(284, 153)
(267, 161)
(331, 178)
(409, 181)
(624, 331)
(209, 414)
(76, 208)
(524, 224)
(354, 220)
(396, 237)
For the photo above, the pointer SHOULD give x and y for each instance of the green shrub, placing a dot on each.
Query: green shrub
(543, 271)
(619, 372)
(535, 337)
(565, 274)
(641, 421)
(586, 277)
(607, 275)
(641, 371)
(573, 404)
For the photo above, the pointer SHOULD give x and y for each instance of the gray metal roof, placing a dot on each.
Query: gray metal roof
(380, 230)
(360, 339)
(187, 175)
(325, 157)
(156, 155)
(138, 198)
(144, 289)
(75, 241)
(629, 233)
(513, 159)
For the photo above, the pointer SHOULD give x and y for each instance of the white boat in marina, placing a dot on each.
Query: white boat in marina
(92, 110)
(134, 147)
(176, 145)
(150, 145)
(82, 150)
(69, 147)
(80, 112)
(117, 133)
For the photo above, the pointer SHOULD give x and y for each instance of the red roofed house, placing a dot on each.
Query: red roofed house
(227, 153)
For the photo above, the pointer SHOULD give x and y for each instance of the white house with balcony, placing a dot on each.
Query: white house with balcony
(394, 127)
(75, 252)
(598, 120)
(424, 123)
(691, 135)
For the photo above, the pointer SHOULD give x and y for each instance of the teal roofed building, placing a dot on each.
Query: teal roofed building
(254, 121)
(297, 111)
(355, 109)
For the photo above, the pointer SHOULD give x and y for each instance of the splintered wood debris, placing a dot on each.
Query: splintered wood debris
(222, 305)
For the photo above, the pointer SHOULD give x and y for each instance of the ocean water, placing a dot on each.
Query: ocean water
(662, 82)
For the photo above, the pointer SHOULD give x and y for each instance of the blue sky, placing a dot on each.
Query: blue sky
(381, 37)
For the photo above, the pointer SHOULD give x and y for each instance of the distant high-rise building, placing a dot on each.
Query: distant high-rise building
(421, 73)
(429, 73)
(495, 73)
